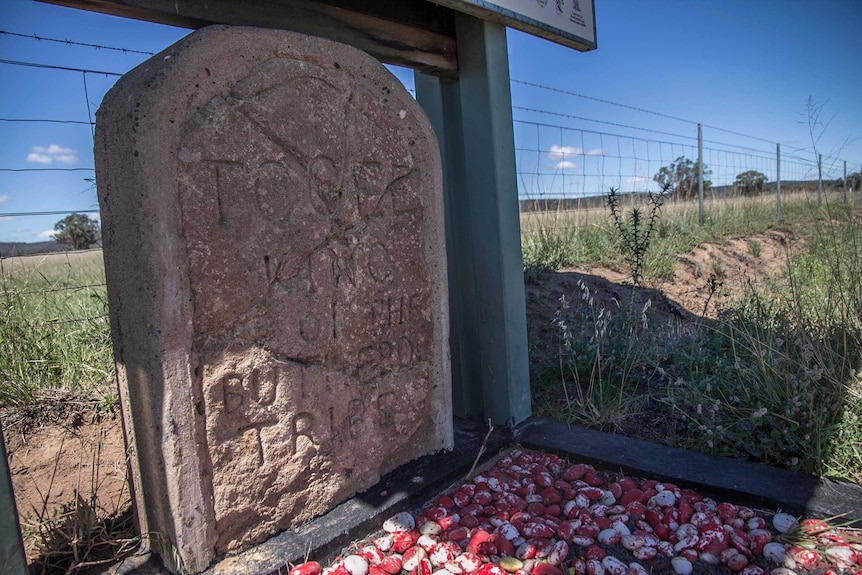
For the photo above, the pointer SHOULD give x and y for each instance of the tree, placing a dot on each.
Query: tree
(854, 181)
(681, 177)
(749, 183)
(78, 231)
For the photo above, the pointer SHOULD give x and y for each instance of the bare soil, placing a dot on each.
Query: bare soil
(69, 476)
(54, 459)
(704, 281)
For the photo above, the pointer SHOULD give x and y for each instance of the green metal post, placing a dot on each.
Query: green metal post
(473, 120)
(12, 556)
(441, 102)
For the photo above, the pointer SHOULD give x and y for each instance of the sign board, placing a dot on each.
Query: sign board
(571, 23)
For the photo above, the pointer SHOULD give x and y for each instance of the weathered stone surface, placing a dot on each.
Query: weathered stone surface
(273, 227)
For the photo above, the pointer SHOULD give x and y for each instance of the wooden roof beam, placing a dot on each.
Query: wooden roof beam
(415, 34)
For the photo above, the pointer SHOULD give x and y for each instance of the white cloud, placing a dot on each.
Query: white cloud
(46, 234)
(6, 218)
(565, 164)
(596, 152)
(38, 158)
(562, 152)
(52, 153)
(637, 179)
(4, 199)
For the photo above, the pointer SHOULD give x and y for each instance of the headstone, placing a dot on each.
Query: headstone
(273, 240)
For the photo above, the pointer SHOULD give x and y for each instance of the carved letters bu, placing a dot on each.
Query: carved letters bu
(303, 221)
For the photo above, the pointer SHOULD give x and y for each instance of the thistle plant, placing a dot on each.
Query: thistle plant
(636, 229)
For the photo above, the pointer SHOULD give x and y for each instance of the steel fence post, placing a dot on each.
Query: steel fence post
(778, 179)
(819, 179)
(700, 174)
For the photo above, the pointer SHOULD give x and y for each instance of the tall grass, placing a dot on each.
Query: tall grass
(776, 379)
(555, 240)
(54, 331)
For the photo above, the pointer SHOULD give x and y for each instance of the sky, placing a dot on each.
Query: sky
(754, 73)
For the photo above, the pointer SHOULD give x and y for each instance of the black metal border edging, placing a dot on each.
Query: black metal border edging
(738, 481)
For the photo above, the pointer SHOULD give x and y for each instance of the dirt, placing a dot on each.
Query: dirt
(735, 264)
(81, 452)
(67, 471)
(704, 282)
(731, 267)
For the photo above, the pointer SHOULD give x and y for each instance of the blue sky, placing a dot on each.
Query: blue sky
(745, 66)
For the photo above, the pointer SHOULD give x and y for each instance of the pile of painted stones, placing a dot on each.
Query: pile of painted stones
(534, 514)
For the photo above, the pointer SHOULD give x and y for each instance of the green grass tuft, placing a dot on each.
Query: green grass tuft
(54, 330)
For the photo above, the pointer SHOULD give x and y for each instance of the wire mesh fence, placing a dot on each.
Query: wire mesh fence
(563, 168)
(560, 163)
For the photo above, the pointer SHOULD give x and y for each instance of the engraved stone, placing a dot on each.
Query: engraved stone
(273, 228)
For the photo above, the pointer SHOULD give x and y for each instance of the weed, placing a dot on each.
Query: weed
(634, 231)
(713, 285)
(600, 352)
(754, 248)
(75, 537)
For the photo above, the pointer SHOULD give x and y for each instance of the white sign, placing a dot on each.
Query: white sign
(568, 22)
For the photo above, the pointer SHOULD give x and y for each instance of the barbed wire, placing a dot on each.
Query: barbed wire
(637, 109)
(53, 213)
(74, 43)
(55, 67)
(601, 100)
(73, 320)
(562, 115)
(597, 133)
(57, 290)
(47, 169)
(630, 127)
(734, 146)
(45, 121)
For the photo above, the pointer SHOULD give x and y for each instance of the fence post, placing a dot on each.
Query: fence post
(700, 174)
(845, 181)
(778, 179)
(12, 556)
(819, 179)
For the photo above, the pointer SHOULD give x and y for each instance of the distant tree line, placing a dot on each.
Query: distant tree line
(682, 174)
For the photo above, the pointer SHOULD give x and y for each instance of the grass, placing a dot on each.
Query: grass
(777, 378)
(54, 331)
(554, 240)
